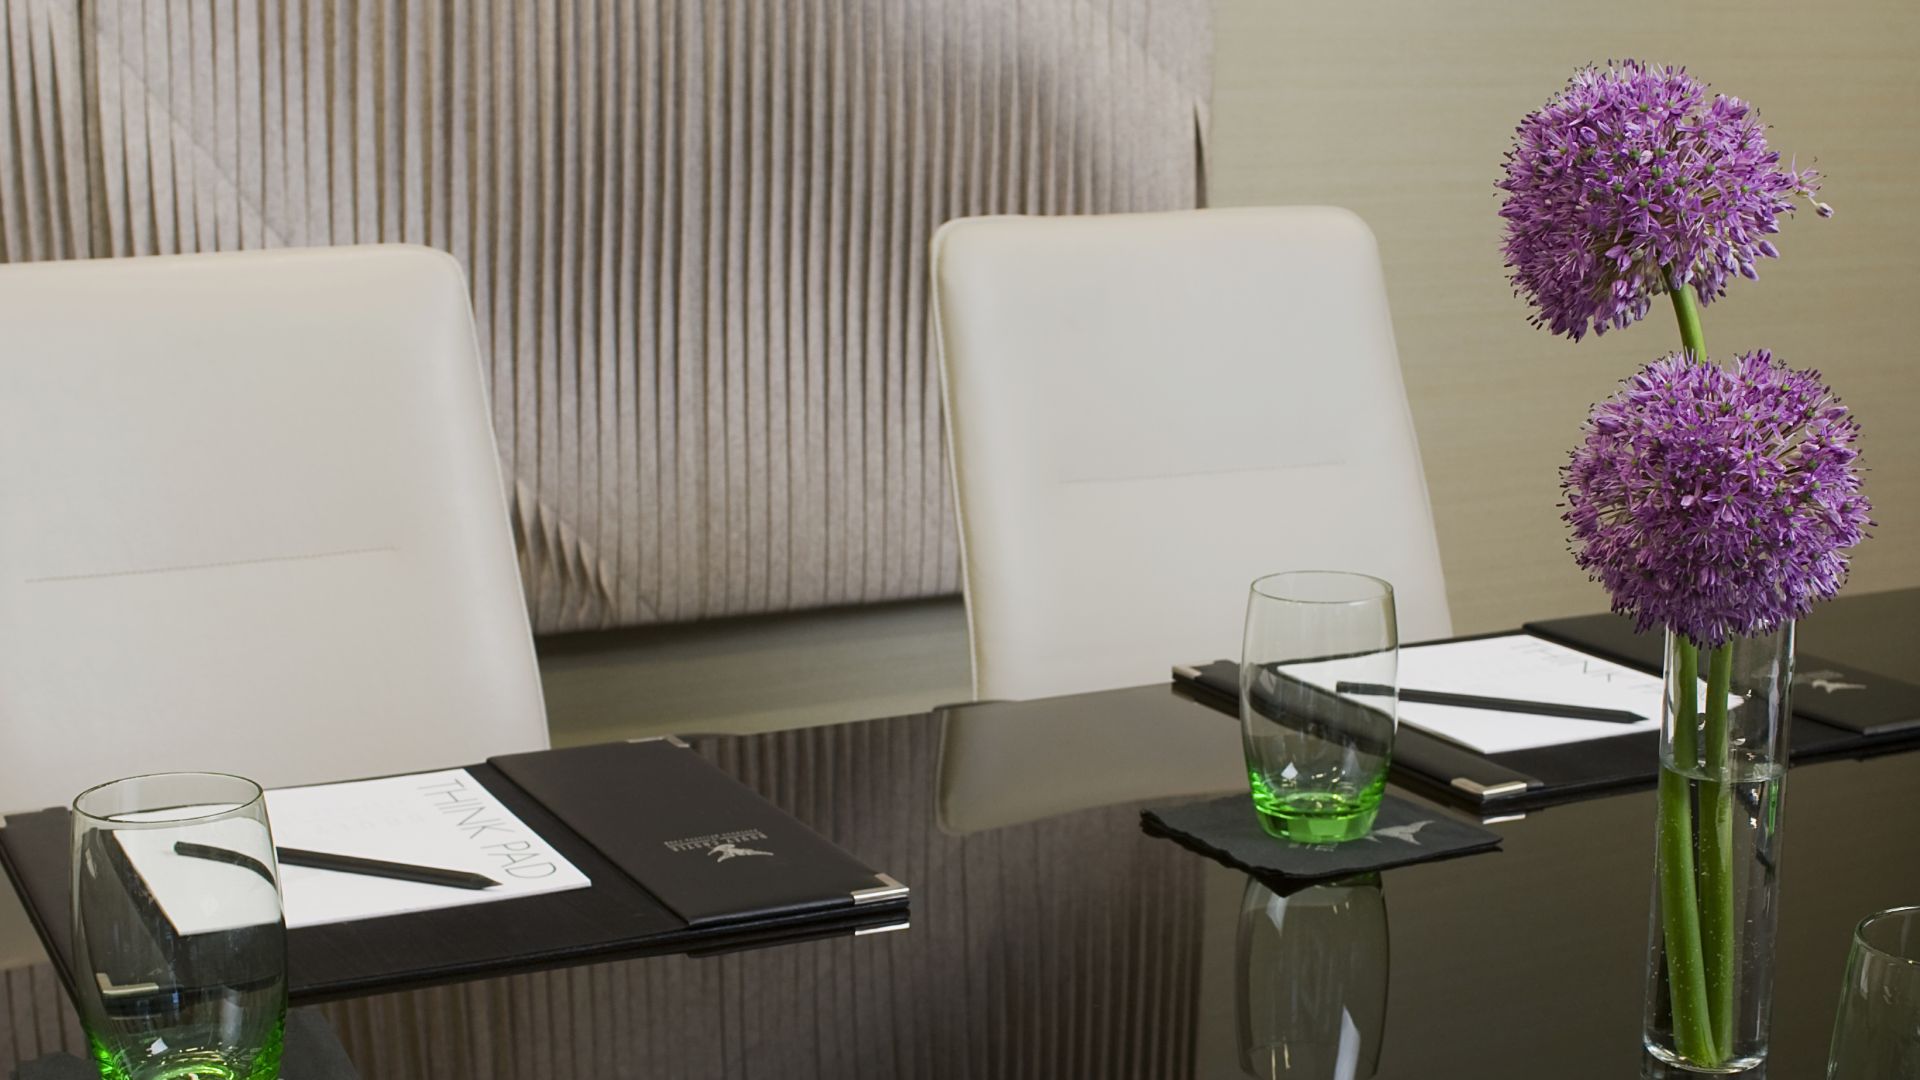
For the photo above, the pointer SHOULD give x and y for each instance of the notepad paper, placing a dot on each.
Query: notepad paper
(443, 819)
(198, 896)
(1513, 666)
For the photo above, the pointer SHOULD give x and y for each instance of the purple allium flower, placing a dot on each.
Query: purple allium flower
(1716, 501)
(1631, 170)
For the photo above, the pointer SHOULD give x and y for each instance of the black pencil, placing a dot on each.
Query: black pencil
(345, 864)
(1497, 704)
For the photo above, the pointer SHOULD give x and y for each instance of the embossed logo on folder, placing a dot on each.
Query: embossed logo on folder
(724, 845)
(733, 851)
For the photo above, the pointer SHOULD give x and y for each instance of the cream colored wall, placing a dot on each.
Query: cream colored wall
(1401, 109)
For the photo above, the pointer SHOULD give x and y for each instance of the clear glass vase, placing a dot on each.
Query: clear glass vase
(1716, 889)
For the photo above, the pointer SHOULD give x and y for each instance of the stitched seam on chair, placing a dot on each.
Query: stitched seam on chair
(1187, 474)
(208, 566)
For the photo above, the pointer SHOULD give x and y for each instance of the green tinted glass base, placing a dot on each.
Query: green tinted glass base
(1315, 818)
(193, 1064)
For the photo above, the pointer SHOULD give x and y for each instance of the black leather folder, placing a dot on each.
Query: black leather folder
(1421, 762)
(1825, 691)
(1522, 780)
(644, 821)
(704, 845)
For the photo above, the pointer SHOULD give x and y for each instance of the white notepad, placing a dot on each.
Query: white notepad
(442, 819)
(1512, 666)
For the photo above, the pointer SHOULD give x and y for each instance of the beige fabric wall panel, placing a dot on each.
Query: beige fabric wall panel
(695, 232)
(1401, 110)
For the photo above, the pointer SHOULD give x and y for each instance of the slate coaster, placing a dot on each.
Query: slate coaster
(312, 1053)
(1227, 830)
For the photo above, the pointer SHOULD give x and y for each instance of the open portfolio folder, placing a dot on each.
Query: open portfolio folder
(445, 820)
(1512, 666)
(600, 852)
(1517, 758)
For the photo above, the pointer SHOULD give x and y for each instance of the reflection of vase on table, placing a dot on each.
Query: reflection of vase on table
(1312, 983)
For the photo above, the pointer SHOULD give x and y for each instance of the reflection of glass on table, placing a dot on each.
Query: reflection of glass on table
(1312, 969)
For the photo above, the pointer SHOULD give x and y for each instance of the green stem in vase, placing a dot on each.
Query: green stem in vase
(1715, 865)
(1709, 828)
(1679, 903)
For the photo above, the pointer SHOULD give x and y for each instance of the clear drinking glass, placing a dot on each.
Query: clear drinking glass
(1876, 1035)
(1319, 674)
(1313, 980)
(180, 948)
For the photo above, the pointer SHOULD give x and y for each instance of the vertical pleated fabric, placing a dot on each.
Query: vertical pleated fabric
(695, 231)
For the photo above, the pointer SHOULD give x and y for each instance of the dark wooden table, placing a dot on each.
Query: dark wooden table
(1075, 946)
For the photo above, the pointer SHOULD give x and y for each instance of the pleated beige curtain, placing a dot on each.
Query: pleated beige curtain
(695, 231)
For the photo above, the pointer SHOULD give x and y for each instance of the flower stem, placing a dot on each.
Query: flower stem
(1692, 338)
(1716, 850)
(1705, 931)
(1693, 1028)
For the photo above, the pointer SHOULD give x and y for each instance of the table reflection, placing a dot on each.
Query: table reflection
(1052, 938)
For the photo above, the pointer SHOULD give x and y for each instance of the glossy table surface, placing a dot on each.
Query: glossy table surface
(1073, 945)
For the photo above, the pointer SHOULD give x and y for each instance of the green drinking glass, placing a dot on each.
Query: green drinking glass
(1319, 671)
(1876, 1033)
(180, 947)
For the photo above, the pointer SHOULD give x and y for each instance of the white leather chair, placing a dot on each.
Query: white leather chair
(251, 520)
(1147, 411)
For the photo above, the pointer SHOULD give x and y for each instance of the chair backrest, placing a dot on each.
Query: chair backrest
(1147, 411)
(251, 521)
(722, 222)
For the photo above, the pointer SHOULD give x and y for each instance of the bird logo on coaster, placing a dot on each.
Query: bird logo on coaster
(1399, 832)
(1829, 681)
(733, 851)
